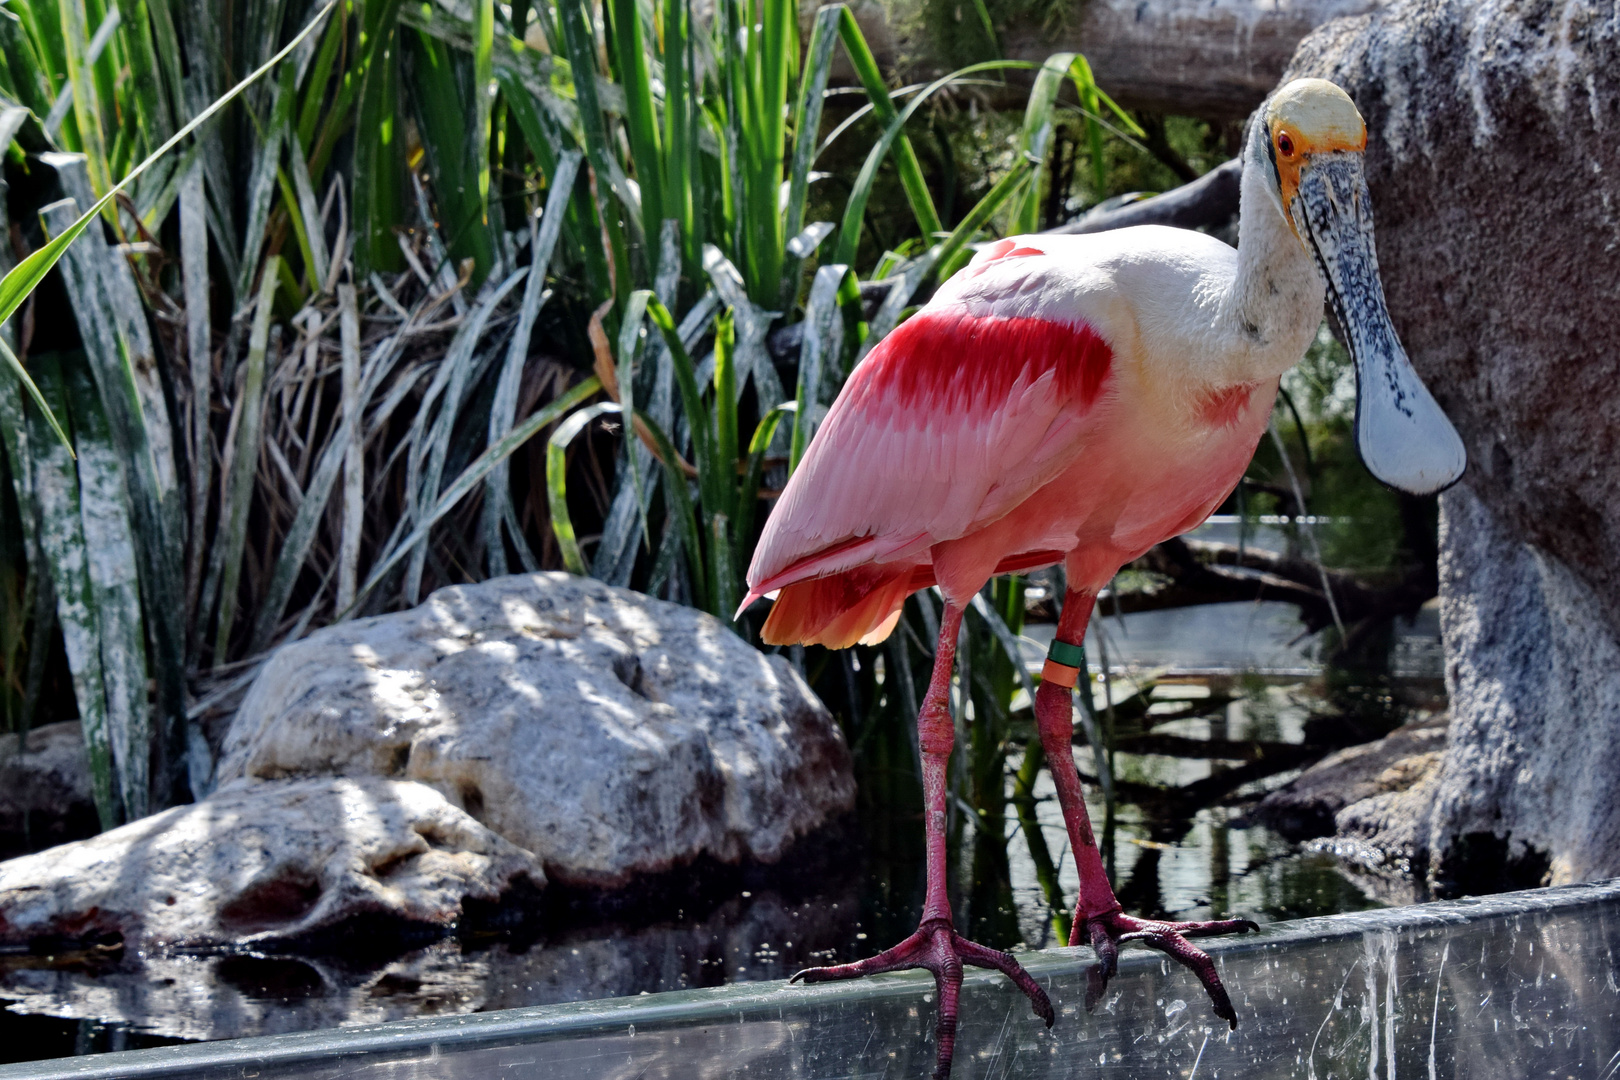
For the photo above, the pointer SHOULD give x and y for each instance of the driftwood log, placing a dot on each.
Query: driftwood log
(1214, 59)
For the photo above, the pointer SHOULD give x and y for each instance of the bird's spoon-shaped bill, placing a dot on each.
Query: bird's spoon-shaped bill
(1404, 438)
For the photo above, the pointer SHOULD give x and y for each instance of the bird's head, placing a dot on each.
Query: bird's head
(1308, 143)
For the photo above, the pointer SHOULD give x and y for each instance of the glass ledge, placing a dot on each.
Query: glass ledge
(1511, 986)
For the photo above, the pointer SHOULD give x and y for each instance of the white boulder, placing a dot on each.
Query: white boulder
(609, 733)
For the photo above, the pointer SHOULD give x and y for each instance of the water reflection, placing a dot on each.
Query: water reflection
(1170, 860)
(1501, 988)
(1180, 847)
(750, 938)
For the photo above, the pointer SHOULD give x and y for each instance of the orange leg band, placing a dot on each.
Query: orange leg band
(1059, 674)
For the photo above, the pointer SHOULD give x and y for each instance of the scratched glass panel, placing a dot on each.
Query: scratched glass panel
(1514, 987)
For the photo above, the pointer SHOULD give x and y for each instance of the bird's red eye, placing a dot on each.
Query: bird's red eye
(1285, 144)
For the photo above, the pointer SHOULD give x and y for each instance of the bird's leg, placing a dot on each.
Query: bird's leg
(1098, 918)
(936, 945)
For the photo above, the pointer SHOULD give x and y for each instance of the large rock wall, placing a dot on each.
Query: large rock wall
(1493, 156)
(1494, 163)
(1527, 791)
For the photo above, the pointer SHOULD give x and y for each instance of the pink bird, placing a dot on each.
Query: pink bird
(1076, 400)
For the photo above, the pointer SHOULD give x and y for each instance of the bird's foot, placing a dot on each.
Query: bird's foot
(1105, 933)
(937, 947)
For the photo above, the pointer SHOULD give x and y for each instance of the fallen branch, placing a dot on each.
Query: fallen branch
(1209, 201)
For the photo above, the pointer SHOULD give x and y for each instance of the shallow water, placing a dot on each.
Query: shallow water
(856, 893)
(843, 896)
(1494, 988)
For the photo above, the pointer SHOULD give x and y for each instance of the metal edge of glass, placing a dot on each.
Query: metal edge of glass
(738, 1002)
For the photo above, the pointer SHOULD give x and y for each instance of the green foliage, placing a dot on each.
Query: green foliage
(352, 257)
(1356, 534)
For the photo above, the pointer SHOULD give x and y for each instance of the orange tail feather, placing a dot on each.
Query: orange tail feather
(839, 610)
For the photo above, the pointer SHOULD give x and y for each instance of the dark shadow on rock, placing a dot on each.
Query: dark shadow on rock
(1482, 862)
(45, 795)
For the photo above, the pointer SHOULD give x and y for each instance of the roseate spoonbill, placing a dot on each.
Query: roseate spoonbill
(1078, 399)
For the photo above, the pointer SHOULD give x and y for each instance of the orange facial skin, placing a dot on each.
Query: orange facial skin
(1291, 149)
(1306, 119)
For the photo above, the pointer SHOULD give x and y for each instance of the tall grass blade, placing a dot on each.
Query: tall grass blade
(64, 98)
(112, 324)
(719, 502)
(678, 508)
(562, 522)
(319, 267)
(503, 410)
(849, 232)
(261, 185)
(86, 99)
(581, 44)
(616, 553)
(748, 493)
(238, 494)
(379, 148)
(199, 355)
(807, 112)
(483, 103)
(354, 458)
(953, 254)
(545, 140)
(20, 373)
(449, 383)
(441, 83)
(681, 164)
(129, 358)
(110, 565)
(1036, 133)
(911, 178)
(641, 120)
(1086, 86)
(19, 454)
(61, 535)
(823, 337)
(753, 323)
(30, 72)
(630, 330)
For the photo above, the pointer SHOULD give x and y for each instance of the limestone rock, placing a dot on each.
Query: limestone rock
(1493, 156)
(264, 863)
(45, 794)
(1528, 791)
(1494, 166)
(605, 731)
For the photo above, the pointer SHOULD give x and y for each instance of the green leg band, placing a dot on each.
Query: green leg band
(1068, 655)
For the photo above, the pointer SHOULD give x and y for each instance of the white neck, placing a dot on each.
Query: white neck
(1274, 304)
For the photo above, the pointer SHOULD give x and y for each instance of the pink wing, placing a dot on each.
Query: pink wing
(949, 423)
